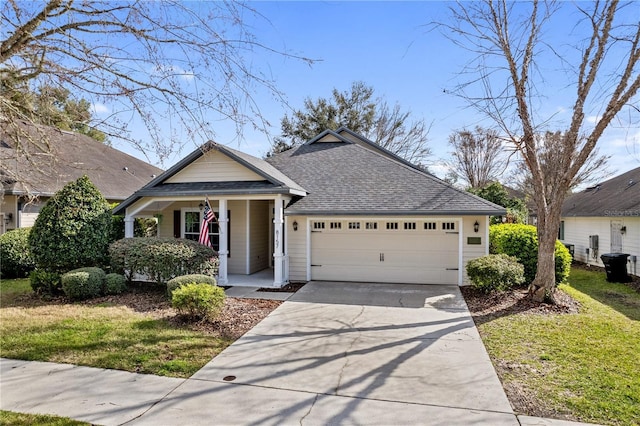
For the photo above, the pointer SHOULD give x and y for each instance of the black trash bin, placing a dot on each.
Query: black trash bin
(616, 266)
(572, 250)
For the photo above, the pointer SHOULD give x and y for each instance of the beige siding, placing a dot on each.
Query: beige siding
(9, 204)
(578, 229)
(237, 260)
(214, 167)
(472, 251)
(297, 248)
(329, 138)
(259, 236)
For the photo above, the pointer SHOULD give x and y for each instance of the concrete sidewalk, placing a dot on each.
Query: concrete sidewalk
(335, 353)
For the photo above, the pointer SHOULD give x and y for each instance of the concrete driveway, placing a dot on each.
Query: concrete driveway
(349, 353)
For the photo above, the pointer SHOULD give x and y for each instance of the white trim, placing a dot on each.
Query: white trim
(309, 248)
(248, 237)
(223, 225)
(486, 235)
(460, 251)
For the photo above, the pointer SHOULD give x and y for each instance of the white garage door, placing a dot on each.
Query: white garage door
(413, 252)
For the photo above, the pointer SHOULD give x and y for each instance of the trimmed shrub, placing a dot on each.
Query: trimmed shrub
(72, 229)
(161, 259)
(83, 283)
(176, 282)
(521, 242)
(198, 300)
(44, 282)
(15, 256)
(114, 284)
(495, 272)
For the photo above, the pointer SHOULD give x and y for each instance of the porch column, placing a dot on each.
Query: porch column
(128, 226)
(223, 222)
(278, 243)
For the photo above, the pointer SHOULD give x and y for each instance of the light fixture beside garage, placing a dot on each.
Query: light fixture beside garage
(295, 225)
(476, 226)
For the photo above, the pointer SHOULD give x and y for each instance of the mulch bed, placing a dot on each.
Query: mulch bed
(486, 307)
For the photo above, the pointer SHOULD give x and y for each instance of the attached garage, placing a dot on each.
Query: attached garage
(409, 251)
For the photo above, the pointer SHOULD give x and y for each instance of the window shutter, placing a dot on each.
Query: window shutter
(176, 224)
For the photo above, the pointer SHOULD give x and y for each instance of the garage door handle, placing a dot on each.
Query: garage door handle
(455, 233)
(316, 265)
(452, 269)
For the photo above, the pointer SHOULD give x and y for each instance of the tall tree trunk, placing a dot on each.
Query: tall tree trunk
(544, 285)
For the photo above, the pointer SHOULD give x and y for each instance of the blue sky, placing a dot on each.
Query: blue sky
(392, 47)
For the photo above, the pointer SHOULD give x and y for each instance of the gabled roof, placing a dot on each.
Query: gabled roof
(619, 196)
(58, 157)
(344, 177)
(274, 182)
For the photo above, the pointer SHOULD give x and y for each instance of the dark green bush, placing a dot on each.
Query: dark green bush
(83, 283)
(198, 300)
(521, 242)
(114, 284)
(15, 256)
(176, 282)
(44, 282)
(495, 272)
(161, 259)
(72, 229)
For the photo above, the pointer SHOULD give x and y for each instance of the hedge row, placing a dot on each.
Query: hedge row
(161, 259)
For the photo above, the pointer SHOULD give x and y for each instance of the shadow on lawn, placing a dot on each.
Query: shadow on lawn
(621, 297)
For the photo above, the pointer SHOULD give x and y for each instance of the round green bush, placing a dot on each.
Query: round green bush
(161, 259)
(73, 229)
(114, 284)
(521, 242)
(44, 282)
(495, 272)
(83, 283)
(176, 282)
(198, 300)
(15, 256)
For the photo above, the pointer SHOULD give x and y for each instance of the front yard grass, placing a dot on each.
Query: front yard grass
(20, 419)
(100, 335)
(582, 366)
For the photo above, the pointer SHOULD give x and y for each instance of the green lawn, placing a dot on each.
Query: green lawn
(20, 419)
(584, 365)
(106, 336)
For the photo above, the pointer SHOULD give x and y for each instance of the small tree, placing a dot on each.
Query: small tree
(497, 194)
(72, 229)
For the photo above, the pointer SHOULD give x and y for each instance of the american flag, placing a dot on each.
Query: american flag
(208, 216)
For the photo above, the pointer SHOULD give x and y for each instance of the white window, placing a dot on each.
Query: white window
(392, 225)
(430, 226)
(318, 225)
(354, 225)
(371, 225)
(191, 223)
(335, 225)
(408, 226)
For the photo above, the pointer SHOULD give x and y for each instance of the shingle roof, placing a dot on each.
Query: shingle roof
(275, 181)
(347, 178)
(619, 196)
(69, 156)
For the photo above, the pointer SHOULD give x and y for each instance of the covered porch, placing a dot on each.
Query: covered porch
(248, 232)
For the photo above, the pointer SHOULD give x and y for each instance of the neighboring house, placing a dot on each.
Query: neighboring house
(58, 157)
(605, 218)
(338, 208)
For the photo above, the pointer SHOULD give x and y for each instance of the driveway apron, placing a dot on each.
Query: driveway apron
(349, 353)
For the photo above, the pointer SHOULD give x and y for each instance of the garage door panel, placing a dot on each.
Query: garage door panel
(410, 256)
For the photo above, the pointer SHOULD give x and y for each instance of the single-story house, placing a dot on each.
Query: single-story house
(58, 157)
(339, 207)
(604, 218)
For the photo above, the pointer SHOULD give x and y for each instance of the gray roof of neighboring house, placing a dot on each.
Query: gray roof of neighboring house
(619, 196)
(274, 180)
(346, 178)
(58, 157)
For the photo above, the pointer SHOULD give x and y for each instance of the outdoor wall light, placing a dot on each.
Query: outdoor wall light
(295, 225)
(201, 206)
(8, 218)
(476, 226)
(623, 230)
